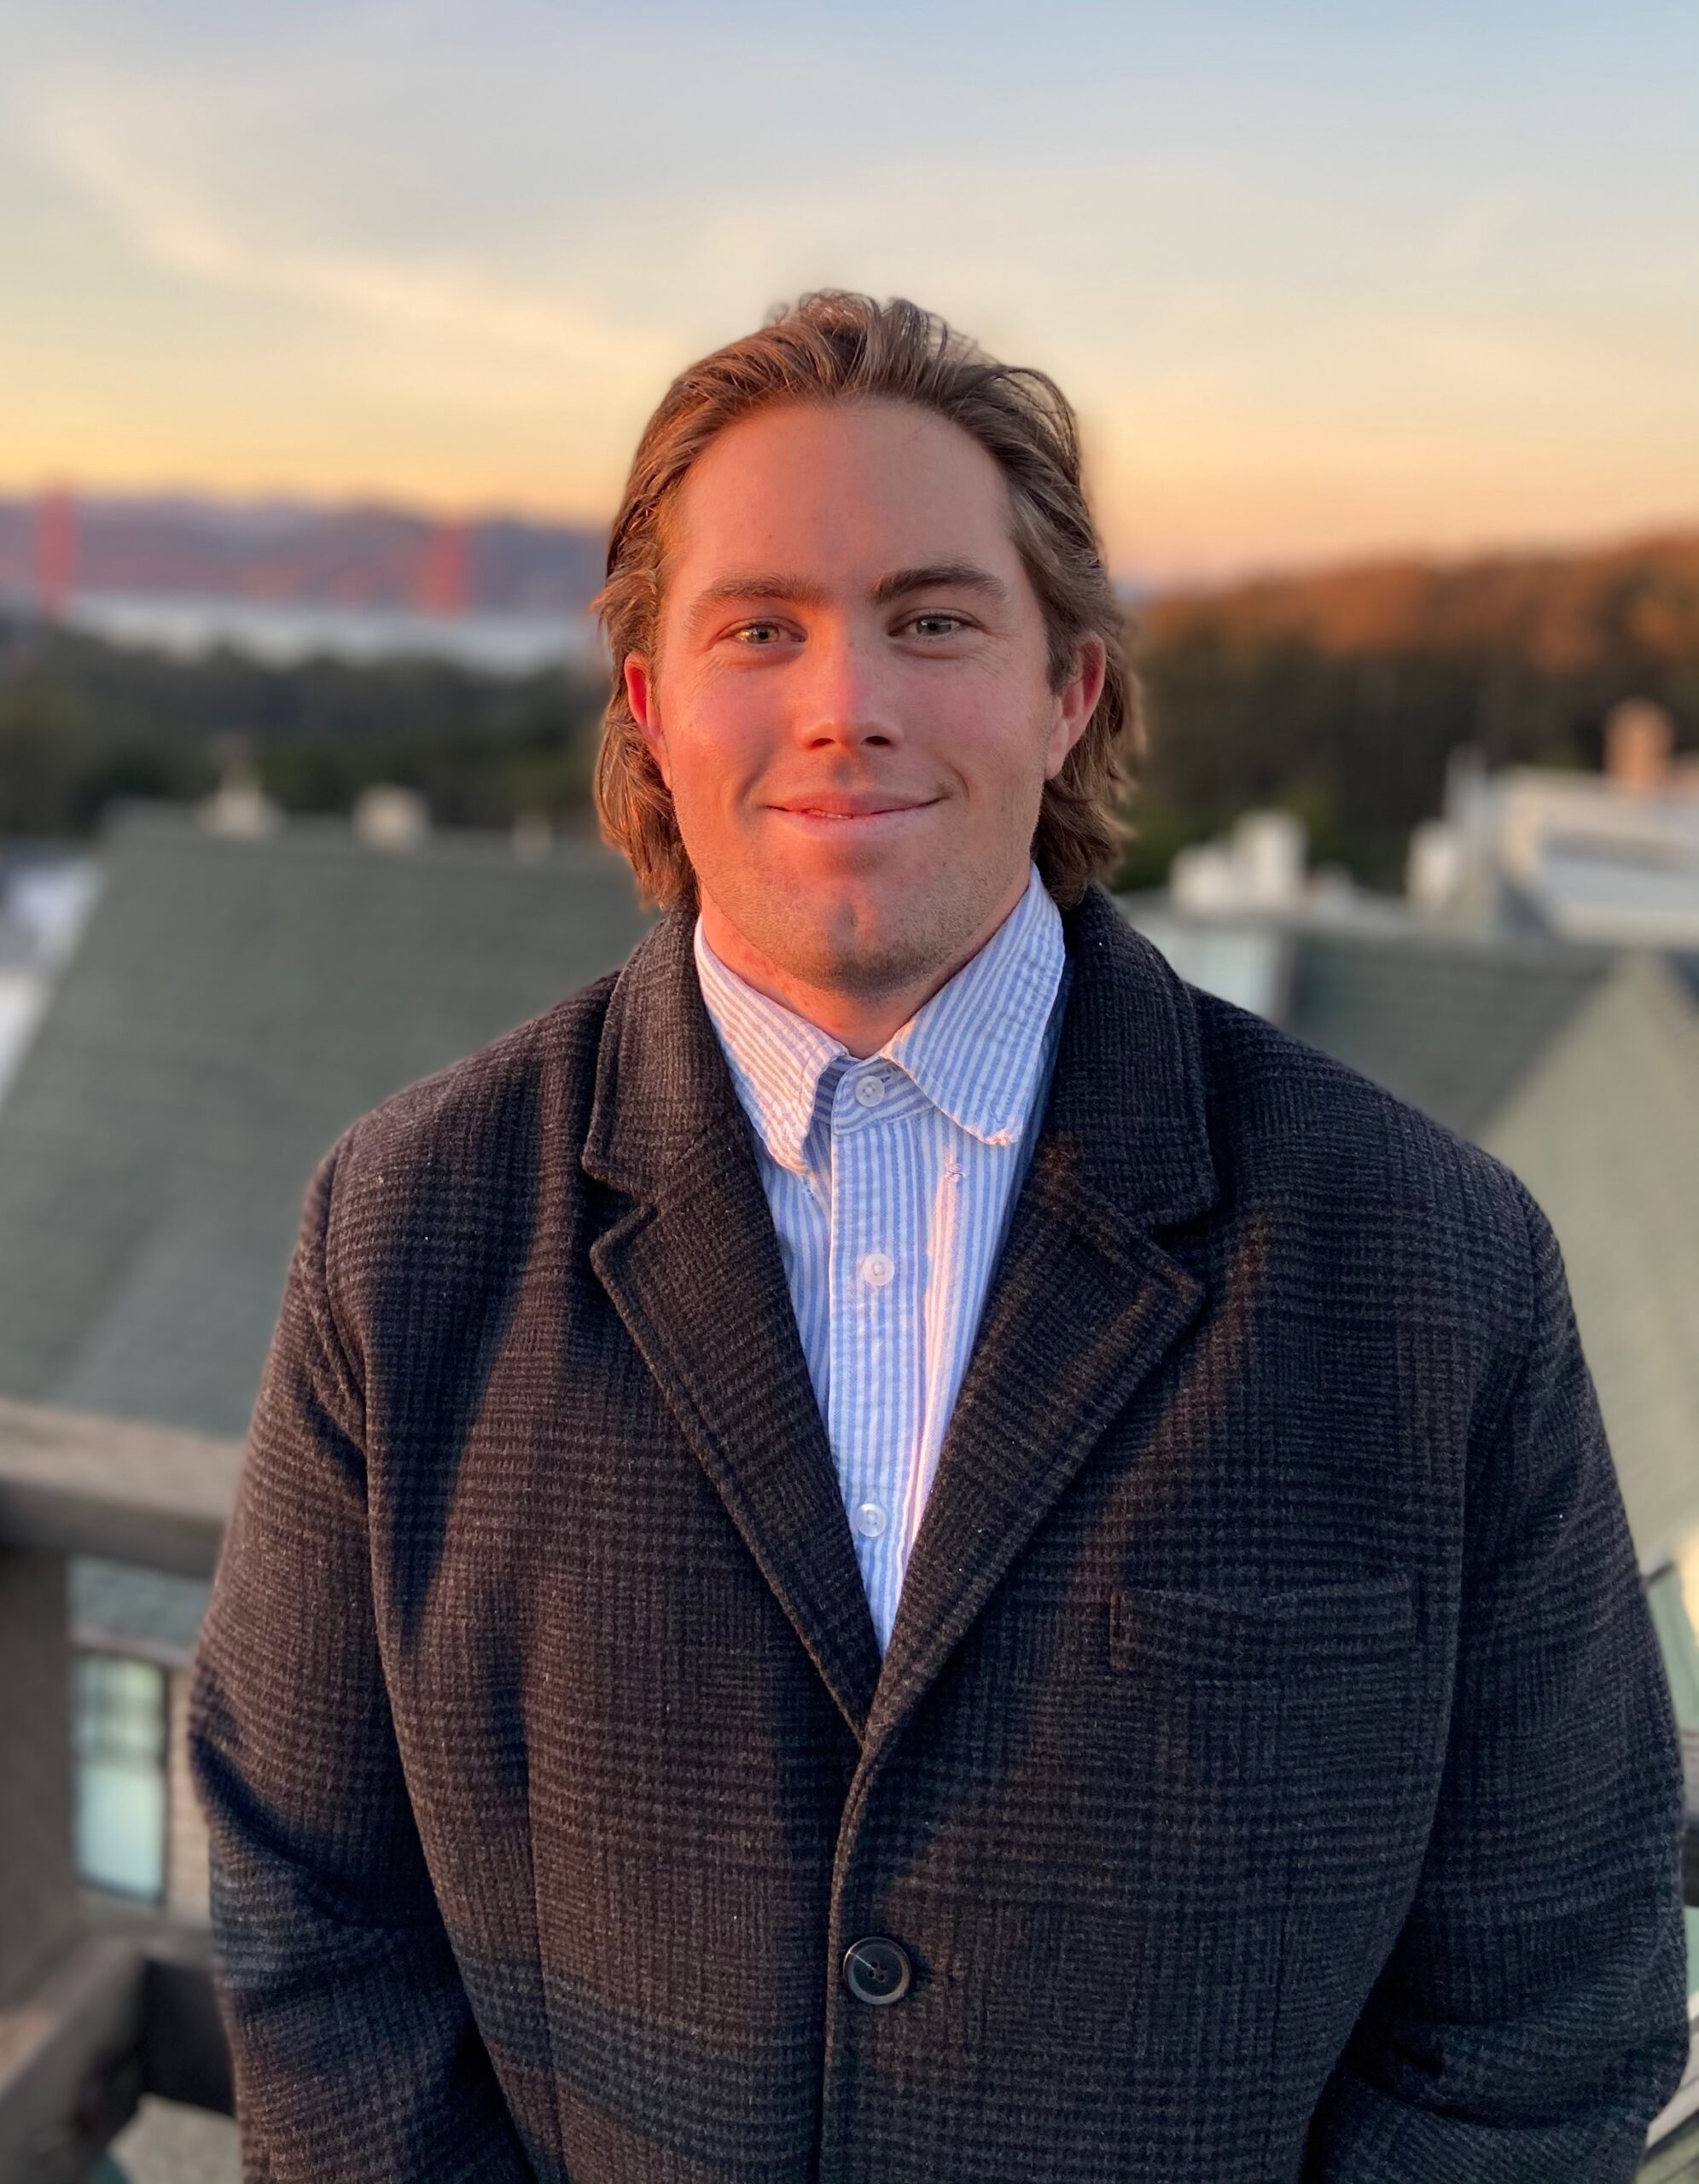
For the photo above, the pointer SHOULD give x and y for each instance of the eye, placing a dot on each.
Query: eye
(943, 624)
(759, 635)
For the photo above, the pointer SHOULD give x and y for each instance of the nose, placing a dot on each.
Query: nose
(843, 695)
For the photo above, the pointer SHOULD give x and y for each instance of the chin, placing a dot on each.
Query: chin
(868, 930)
(856, 914)
(869, 939)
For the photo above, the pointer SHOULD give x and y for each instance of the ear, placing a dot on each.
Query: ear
(1075, 703)
(640, 696)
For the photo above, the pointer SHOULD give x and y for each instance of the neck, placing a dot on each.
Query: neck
(860, 1021)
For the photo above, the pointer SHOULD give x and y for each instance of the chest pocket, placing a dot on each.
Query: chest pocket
(1262, 1730)
(1214, 1638)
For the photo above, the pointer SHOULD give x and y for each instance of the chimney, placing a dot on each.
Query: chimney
(1269, 850)
(239, 806)
(1639, 738)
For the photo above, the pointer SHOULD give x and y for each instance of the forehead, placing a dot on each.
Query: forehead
(848, 489)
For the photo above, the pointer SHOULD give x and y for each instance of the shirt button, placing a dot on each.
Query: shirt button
(870, 1091)
(877, 1268)
(869, 1519)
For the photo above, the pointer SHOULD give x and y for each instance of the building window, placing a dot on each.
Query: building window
(119, 1740)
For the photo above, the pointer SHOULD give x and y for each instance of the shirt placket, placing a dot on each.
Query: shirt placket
(876, 1263)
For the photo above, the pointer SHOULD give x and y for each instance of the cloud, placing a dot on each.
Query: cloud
(241, 190)
(194, 232)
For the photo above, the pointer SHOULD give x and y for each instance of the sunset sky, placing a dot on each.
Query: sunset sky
(1321, 278)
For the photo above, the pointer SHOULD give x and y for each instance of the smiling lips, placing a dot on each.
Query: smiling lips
(842, 804)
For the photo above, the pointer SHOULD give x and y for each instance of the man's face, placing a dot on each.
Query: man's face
(851, 705)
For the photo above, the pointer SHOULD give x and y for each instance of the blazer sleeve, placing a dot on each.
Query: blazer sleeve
(1531, 2019)
(355, 2057)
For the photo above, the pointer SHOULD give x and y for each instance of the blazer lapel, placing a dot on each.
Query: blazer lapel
(692, 1266)
(1083, 1305)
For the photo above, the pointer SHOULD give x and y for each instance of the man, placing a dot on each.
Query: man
(890, 1547)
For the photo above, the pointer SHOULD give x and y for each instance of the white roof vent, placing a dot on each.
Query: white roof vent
(240, 807)
(390, 817)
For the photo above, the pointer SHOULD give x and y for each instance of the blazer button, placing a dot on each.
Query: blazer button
(876, 1970)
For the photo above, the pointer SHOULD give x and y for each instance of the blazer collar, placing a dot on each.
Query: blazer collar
(1126, 1106)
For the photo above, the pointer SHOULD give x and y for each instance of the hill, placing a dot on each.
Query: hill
(1340, 694)
(286, 551)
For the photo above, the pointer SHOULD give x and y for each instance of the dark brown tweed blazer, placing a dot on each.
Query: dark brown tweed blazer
(1271, 1776)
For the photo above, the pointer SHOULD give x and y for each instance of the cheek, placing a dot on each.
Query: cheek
(717, 748)
(994, 737)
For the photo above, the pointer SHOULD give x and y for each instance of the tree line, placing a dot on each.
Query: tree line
(84, 722)
(1340, 695)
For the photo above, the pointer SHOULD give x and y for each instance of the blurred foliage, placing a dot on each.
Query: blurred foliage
(83, 721)
(1338, 696)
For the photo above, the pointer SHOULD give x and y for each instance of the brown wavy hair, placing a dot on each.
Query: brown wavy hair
(833, 345)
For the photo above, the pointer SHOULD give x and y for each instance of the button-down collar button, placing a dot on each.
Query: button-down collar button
(876, 1970)
(869, 1519)
(870, 1091)
(877, 1267)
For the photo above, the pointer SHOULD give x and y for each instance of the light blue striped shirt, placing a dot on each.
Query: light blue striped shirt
(891, 1181)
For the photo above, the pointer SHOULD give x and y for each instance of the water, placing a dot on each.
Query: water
(282, 631)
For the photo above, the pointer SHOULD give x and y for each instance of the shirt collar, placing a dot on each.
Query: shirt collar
(976, 1048)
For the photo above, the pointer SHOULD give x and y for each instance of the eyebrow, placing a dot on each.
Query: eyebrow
(939, 575)
(803, 591)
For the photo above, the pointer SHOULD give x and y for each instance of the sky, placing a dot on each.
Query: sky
(1322, 280)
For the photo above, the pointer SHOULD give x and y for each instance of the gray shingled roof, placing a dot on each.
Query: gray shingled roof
(1452, 1024)
(233, 1004)
(1451, 1021)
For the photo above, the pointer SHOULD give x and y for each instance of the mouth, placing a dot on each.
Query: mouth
(850, 811)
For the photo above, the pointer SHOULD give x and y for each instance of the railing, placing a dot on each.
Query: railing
(99, 2006)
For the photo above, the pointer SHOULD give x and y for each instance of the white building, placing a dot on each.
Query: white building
(1610, 857)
